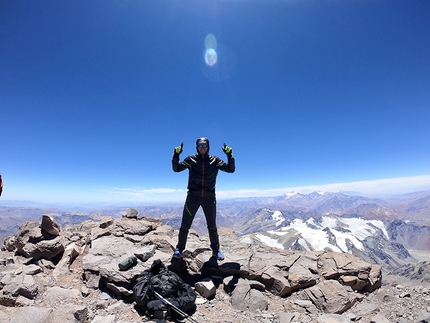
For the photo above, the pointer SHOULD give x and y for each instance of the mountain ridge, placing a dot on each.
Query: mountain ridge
(405, 215)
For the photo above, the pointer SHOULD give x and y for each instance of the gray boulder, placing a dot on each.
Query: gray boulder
(131, 214)
(50, 225)
(33, 242)
(31, 314)
(247, 296)
(330, 296)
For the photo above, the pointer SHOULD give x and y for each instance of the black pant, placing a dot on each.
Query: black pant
(192, 204)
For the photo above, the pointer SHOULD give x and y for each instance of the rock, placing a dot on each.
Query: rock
(367, 309)
(423, 316)
(22, 301)
(131, 214)
(332, 318)
(206, 289)
(32, 243)
(44, 263)
(245, 298)
(304, 272)
(31, 269)
(286, 317)
(70, 313)
(70, 253)
(146, 252)
(7, 299)
(379, 319)
(106, 222)
(104, 319)
(50, 225)
(29, 287)
(350, 270)
(31, 314)
(58, 293)
(9, 244)
(85, 291)
(330, 296)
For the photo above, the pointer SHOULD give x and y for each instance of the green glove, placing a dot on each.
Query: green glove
(178, 149)
(227, 150)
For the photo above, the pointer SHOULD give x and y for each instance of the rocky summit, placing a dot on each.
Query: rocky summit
(50, 273)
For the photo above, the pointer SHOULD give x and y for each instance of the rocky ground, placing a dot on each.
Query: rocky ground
(82, 283)
(389, 304)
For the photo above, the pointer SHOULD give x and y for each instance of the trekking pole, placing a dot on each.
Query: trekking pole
(178, 310)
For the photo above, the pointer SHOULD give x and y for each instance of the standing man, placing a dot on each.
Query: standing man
(203, 170)
(1, 185)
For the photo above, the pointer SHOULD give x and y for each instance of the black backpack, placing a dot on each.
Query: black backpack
(168, 285)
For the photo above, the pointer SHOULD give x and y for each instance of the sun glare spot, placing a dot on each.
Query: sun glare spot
(210, 57)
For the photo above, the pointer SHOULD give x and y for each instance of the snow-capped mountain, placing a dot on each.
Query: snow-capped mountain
(367, 239)
(331, 233)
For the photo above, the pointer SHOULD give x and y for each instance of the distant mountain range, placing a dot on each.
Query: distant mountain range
(370, 240)
(377, 230)
(383, 231)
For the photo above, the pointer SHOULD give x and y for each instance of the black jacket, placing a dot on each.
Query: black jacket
(203, 171)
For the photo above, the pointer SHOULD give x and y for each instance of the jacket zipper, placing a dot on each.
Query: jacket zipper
(203, 176)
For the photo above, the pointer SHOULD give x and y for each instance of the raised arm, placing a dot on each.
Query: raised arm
(230, 166)
(177, 166)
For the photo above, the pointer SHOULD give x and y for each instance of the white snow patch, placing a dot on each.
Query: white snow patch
(341, 240)
(277, 216)
(311, 221)
(303, 244)
(360, 228)
(246, 240)
(269, 241)
(290, 194)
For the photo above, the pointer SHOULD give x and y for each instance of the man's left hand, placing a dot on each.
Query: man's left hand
(227, 150)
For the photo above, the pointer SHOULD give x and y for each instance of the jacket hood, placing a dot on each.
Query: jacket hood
(200, 140)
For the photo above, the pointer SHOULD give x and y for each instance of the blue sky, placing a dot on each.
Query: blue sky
(311, 95)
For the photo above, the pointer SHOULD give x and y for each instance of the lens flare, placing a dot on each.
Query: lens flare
(219, 62)
(210, 41)
(210, 57)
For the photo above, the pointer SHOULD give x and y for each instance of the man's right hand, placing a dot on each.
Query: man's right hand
(178, 150)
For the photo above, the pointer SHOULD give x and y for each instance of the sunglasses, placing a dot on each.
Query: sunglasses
(202, 145)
